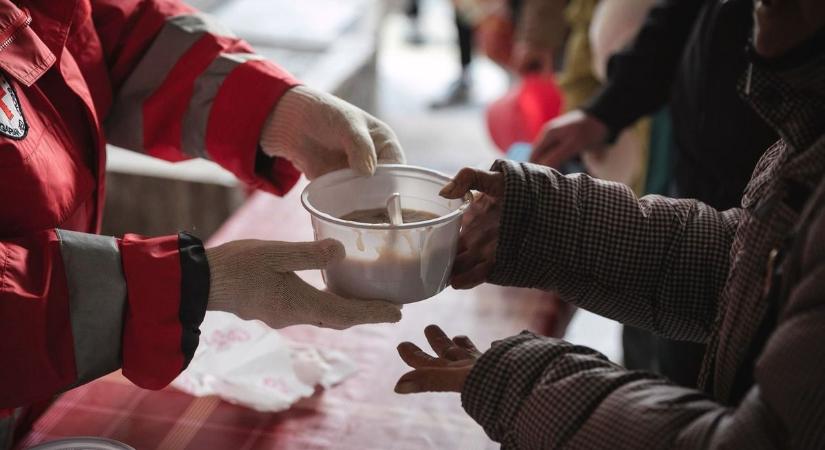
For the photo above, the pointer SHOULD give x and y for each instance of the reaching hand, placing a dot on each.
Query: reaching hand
(477, 243)
(446, 372)
(320, 133)
(566, 136)
(254, 280)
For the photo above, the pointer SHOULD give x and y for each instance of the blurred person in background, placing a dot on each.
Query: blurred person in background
(746, 281)
(458, 93)
(597, 29)
(687, 55)
(541, 31)
(159, 78)
(640, 154)
(491, 24)
(413, 13)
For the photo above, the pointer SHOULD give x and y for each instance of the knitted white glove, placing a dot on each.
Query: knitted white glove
(254, 279)
(320, 133)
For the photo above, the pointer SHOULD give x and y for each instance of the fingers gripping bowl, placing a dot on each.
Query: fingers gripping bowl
(402, 263)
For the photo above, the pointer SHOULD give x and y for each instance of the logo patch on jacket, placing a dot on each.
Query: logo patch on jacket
(12, 122)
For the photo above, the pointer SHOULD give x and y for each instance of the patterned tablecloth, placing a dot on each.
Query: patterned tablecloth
(361, 413)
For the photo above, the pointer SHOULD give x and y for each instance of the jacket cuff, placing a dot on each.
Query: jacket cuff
(246, 98)
(519, 203)
(484, 396)
(279, 173)
(194, 292)
(167, 281)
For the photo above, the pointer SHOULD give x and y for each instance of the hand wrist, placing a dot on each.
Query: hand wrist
(221, 290)
(278, 133)
(594, 110)
(596, 126)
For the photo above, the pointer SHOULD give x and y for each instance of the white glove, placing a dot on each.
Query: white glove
(254, 279)
(320, 133)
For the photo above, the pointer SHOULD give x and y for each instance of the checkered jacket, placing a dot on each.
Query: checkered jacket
(749, 282)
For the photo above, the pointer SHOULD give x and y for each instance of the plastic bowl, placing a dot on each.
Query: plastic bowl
(404, 263)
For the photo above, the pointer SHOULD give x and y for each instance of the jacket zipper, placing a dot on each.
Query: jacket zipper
(24, 21)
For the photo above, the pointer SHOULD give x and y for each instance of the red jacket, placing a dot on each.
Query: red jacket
(152, 76)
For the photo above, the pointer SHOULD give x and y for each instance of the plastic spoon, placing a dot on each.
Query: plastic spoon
(394, 209)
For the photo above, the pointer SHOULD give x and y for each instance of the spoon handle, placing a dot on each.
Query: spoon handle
(394, 209)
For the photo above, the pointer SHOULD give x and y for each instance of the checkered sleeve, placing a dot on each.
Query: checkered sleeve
(654, 262)
(529, 392)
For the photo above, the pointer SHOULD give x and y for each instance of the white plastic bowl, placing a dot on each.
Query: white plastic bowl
(404, 263)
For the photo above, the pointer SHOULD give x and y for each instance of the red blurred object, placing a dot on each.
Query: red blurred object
(520, 115)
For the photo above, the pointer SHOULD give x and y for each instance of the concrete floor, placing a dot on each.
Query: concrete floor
(410, 77)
